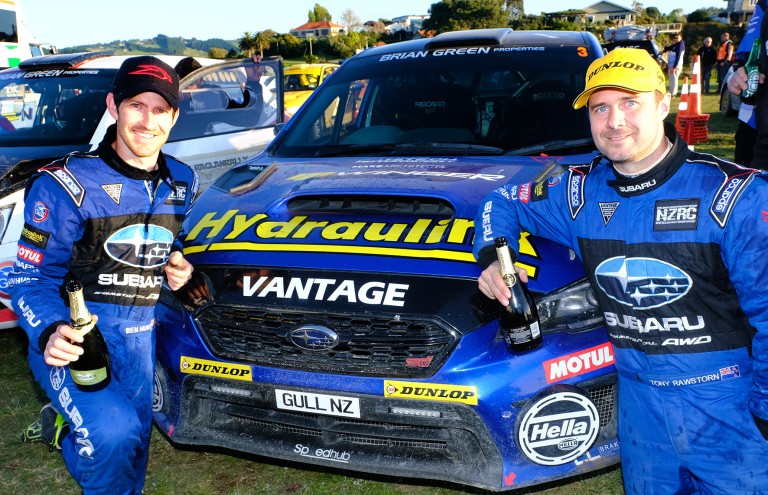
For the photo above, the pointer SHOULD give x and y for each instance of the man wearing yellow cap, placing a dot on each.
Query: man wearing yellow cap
(674, 243)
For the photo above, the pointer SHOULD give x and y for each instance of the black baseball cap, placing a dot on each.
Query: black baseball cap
(146, 73)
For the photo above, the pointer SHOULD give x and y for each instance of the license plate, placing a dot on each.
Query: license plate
(331, 405)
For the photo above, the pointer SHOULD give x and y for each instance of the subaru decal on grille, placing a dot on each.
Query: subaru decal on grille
(314, 338)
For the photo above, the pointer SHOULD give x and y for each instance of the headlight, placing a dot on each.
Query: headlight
(573, 308)
(5, 219)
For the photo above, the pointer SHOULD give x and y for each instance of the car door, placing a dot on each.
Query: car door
(227, 113)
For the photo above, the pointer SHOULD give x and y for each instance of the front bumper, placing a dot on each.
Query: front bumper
(423, 439)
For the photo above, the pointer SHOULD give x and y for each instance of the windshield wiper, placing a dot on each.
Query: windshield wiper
(550, 146)
(452, 148)
(421, 148)
(340, 150)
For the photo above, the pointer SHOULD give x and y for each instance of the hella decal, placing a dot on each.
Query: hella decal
(557, 426)
(578, 363)
(325, 289)
(430, 391)
(218, 369)
(140, 246)
(642, 283)
(314, 338)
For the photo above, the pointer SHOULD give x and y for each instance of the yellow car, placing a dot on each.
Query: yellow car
(300, 80)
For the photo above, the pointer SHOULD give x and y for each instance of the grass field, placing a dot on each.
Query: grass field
(32, 470)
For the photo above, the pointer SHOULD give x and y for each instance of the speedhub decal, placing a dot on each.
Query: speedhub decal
(430, 391)
(642, 283)
(194, 366)
(557, 426)
(140, 246)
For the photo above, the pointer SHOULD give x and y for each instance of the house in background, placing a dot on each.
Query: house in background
(609, 11)
(740, 11)
(409, 23)
(318, 29)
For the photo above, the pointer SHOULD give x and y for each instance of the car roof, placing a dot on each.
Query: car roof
(307, 67)
(99, 60)
(487, 37)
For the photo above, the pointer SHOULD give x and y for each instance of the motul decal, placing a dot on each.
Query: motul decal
(578, 363)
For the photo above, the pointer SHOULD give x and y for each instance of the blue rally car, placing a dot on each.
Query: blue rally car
(334, 316)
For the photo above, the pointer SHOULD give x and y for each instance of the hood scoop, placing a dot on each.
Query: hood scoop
(388, 205)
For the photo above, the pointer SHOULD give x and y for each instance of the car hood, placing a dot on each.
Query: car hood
(295, 98)
(18, 163)
(409, 215)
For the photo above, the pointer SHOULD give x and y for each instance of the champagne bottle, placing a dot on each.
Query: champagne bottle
(753, 73)
(91, 371)
(519, 322)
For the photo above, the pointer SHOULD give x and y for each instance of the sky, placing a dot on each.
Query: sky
(66, 23)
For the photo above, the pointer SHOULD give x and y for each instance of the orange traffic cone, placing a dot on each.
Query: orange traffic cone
(694, 95)
(682, 107)
(692, 124)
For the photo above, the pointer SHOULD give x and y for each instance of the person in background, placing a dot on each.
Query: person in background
(707, 58)
(676, 52)
(724, 56)
(674, 243)
(107, 218)
(751, 136)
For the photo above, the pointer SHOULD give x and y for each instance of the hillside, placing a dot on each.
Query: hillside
(159, 44)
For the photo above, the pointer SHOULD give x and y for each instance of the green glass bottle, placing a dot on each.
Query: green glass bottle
(752, 67)
(91, 370)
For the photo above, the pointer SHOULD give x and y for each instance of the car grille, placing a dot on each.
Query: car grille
(368, 345)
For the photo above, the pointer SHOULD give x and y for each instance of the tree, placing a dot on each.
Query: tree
(653, 13)
(247, 44)
(454, 15)
(319, 13)
(349, 19)
(515, 9)
(217, 53)
(262, 40)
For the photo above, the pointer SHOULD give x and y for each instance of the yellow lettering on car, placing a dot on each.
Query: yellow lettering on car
(451, 237)
(194, 366)
(430, 391)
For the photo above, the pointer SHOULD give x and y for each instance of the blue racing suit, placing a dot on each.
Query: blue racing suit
(94, 218)
(677, 260)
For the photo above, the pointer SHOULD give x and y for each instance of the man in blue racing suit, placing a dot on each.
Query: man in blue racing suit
(109, 219)
(675, 245)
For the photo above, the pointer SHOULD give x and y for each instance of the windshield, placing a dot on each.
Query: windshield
(52, 107)
(508, 98)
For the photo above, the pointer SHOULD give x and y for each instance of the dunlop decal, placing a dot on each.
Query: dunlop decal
(194, 366)
(430, 391)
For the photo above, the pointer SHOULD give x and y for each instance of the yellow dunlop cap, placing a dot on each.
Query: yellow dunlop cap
(630, 69)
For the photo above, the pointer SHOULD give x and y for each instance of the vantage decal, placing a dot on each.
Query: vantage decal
(418, 238)
(430, 391)
(194, 366)
(325, 289)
